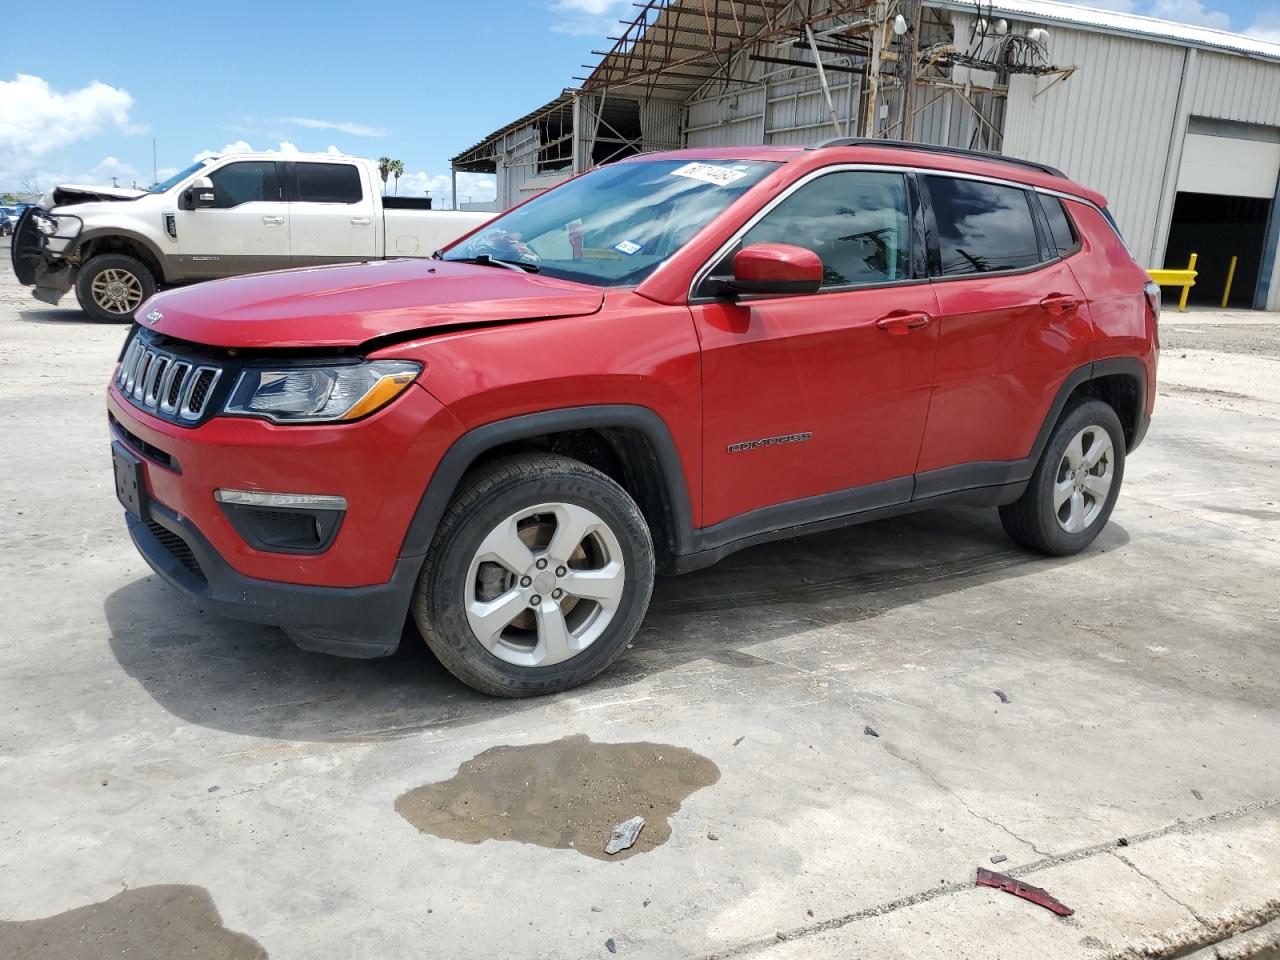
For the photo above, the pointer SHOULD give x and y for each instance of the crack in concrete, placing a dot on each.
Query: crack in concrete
(913, 762)
(1156, 883)
(923, 896)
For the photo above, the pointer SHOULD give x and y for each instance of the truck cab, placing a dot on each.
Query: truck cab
(220, 217)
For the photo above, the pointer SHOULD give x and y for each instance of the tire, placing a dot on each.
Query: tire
(493, 622)
(123, 285)
(1073, 489)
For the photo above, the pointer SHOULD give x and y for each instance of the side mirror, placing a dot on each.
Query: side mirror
(199, 194)
(776, 268)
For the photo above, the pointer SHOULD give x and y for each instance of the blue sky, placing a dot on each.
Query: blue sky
(416, 81)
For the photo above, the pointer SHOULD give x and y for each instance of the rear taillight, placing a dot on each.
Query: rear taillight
(1152, 293)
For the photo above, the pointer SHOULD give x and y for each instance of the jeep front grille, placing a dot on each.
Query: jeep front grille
(164, 383)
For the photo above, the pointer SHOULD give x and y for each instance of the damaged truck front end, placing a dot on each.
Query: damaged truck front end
(43, 252)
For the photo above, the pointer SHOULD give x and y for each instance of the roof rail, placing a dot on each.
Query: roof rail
(935, 148)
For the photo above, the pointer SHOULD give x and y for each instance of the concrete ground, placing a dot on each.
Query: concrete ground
(175, 784)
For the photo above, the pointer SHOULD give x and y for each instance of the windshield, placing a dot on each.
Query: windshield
(176, 178)
(614, 225)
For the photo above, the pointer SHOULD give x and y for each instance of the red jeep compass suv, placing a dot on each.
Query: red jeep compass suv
(652, 365)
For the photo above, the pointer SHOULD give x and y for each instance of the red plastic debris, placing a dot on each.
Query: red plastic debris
(989, 878)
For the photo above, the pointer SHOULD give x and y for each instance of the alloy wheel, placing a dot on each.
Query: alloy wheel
(1084, 479)
(544, 584)
(117, 291)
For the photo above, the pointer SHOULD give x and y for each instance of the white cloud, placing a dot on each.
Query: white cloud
(36, 120)
(587, 17)
(243, 146)
(342, 126)
(473, 187)
(1189, 11)
(1266, 26)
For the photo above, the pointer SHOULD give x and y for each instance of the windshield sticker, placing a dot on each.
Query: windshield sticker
(629, 247)
(720, 176)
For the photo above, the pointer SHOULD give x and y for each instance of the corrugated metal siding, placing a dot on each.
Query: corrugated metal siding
(660, 123)
(1107, 126)
(1235, 88)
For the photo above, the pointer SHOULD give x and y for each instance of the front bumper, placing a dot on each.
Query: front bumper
(359, 622)
(41, 262)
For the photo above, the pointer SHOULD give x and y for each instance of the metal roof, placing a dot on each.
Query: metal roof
(1130, 24)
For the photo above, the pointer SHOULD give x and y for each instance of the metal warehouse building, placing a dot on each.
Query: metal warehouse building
(1179, 126)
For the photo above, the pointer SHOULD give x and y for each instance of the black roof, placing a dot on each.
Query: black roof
(935, 148)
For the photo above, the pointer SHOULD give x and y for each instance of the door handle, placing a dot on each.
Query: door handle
(900, 322)
(1059, 303)
(360, 221)
(273, 220)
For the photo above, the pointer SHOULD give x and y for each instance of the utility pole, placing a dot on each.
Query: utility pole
(155, 177)
(915, 12)
(881, 25)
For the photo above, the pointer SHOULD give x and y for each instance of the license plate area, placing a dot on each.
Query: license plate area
(131, 489)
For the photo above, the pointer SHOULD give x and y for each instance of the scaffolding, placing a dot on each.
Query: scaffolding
(701, 72)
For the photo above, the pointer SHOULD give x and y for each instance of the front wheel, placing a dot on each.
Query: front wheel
(538, 577)
(111, 287)
(1075, 484)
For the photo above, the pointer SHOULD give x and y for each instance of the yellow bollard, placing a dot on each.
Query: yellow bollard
(1186, 279)
(1191, 269)
(1231, 275)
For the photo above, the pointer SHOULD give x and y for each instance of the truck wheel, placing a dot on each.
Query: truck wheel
(112, 286)
(538, 577)
(1075, 484)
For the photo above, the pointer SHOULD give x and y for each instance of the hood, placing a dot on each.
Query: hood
(347, 305)
(69, 194)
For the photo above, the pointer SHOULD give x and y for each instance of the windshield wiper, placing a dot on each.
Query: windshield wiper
(487, 261)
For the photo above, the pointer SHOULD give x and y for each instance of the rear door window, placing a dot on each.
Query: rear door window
(982, 227)
(1061, 233)
(328, 183)
(245, 182)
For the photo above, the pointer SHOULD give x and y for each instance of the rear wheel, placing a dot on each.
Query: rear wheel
(538, 577)
(1075, 484)
(112, 286)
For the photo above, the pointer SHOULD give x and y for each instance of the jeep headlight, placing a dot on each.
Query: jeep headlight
(320, 394)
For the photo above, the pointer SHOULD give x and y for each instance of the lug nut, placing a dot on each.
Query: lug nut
(541, 564)
(525, 581)
(557, 593)
(535, 600)
(560, 571)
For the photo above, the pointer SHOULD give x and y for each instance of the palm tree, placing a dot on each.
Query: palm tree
(397, 171)
(384, 168)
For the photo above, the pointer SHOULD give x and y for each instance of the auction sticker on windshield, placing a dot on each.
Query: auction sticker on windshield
(629, 247)
(707, 173)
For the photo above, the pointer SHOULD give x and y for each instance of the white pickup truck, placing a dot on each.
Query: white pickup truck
(221, 217)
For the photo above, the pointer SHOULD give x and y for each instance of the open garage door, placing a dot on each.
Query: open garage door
(1225, 203)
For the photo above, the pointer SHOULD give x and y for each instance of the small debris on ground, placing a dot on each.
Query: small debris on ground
(781, 936)
(809, 911)
(624, 835)
(611, 946)
(998, 858)
(1197, 794)
(713, 836)
(596, 910)
(646, 903)
(1037, 895)
(738, 741)
(870, 732)
(1122, 842)
(1004, 697)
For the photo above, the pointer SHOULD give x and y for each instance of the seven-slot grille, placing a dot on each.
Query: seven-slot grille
(164, 383)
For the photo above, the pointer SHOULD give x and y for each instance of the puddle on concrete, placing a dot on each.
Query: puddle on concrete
(149, 923)
(568, 794)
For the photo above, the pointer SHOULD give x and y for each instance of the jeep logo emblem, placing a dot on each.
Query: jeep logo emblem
(154, 317)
